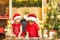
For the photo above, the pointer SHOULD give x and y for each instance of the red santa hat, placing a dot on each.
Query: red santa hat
(16, 16)
(31, 17)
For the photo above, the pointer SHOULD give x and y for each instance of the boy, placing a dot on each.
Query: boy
(32, 28)
(16, 26)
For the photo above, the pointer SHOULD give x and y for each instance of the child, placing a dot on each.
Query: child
(32, 28)
(24, 22)
(16, 26)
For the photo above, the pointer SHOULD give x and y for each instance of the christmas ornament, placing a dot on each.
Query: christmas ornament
(35, 0)
(52, 17)
(49, 8)
(58, 16)
(19, 0)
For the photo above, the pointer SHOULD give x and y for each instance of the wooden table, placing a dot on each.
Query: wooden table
(30, 39)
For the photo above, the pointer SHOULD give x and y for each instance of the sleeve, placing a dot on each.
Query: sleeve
(12, 27)
(21, 29)
(37, 27)
(26, 28)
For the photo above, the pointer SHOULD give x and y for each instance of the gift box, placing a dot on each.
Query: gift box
(1, 30)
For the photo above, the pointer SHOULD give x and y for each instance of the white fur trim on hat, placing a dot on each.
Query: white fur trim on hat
(17, 17)
(31, 18)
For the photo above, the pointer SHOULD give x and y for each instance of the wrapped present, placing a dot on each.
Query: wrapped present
(1, 30)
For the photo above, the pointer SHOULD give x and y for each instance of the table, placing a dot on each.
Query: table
(29, 39)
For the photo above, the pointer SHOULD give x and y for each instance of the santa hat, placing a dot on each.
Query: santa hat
(31, 17)
(16, 16)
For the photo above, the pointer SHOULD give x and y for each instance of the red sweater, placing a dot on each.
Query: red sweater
(32, 30)
(16, 28)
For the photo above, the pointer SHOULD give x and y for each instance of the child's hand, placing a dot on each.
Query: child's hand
(19, 35)
(27, 35)
(20, 32)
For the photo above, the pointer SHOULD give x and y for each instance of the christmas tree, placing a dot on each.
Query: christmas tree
(53, 16)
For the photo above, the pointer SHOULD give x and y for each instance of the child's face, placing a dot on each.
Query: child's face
(31, 22)
(18, 20)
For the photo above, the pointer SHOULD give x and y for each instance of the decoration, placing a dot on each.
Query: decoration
(27, 11)
(27, 3)
(52, 19)
(2, 30)
(52, 33)
(6, 15)
(8, 29)
(1, 16)
(45, 33)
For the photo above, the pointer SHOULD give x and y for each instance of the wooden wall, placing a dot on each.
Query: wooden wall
(36, 10)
